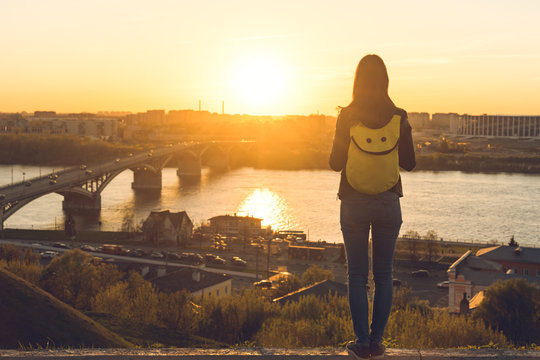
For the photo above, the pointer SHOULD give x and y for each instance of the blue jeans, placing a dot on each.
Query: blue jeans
(359, 213)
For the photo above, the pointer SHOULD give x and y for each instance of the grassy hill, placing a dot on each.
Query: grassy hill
(30, 317)
(147, 335)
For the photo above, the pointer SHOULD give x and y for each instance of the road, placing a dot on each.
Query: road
(40, 247)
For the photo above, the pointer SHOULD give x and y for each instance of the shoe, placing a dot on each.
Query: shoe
(377, 350)
(359, 351)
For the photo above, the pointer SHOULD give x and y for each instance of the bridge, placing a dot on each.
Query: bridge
(81, 186)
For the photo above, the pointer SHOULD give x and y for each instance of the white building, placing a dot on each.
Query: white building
(496, 125)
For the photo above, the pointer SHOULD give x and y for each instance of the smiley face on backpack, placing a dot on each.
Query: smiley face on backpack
(376, 141)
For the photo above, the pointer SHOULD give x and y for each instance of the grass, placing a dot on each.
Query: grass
(32, 318)
(148, 335)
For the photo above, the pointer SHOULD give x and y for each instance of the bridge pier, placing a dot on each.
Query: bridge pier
(76, 202)
(218, 164)
(189, 168)
(145, 179)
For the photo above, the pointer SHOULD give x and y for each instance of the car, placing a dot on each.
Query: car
(52, 182)
(444, 284)
(2, 196)
(135, 253)
(117, 160)
(48, 254)
(219, 261)
(88, 172)
(156, 255)
(88, 248)
(142, 252)
(82, 167)
(396, 282)
(263, 284)
(60, 245)
(210, 257)
(238, 262)
(420, 273)
(27, 183)
(130, 155)
(192, 258)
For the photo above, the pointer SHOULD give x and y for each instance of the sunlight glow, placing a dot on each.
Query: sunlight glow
(259, 81)
(268, 206)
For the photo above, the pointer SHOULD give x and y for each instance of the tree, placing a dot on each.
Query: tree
(513, 306)
(412, 242)
(128, 222)
(513, 242)
(431, 245)
(77, 277)
(287, 285)
(315, 274)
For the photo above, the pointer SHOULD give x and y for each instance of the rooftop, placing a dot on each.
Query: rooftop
(512, 254)
(189, 279)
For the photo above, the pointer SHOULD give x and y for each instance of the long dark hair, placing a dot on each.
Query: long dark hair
(370, 101)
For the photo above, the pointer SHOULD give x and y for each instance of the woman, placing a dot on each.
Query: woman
(369, 190)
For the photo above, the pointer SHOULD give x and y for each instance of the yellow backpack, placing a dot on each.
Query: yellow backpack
(373, 161)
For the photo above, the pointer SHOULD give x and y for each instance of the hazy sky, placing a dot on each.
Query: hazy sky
(267, 57)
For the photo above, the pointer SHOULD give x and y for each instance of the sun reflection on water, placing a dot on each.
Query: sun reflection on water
(268, 206)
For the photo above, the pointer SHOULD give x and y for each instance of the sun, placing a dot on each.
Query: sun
(259, 81)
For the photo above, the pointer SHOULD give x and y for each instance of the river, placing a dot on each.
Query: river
(458, 206)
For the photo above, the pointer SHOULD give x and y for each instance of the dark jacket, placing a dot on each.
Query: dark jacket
(340, 148)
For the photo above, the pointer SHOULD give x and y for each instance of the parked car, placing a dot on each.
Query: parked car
(174, 256)
(2, 196)
(142, 251)
(156, 255)
(88, 248)
(219, 261)
(135, 253)
(48, 254)
(263, 284)
(444, 284)
(191, 258)
(82, 167)
(420, 273)
(52, 182)
(238, 261)
(209, 258)
(60, 245)
(396, 282)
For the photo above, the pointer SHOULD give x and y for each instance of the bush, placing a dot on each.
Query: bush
(315, 274)
(414, 328)
(311, 321)
(512, 306)
(21, 262)
(233, 319)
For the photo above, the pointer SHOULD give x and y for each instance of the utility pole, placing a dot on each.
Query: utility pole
(257, 262)
(268, 259)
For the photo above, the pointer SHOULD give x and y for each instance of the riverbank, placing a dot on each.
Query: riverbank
(54, 150)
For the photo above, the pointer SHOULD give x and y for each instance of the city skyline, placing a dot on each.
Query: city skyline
(267, 59)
